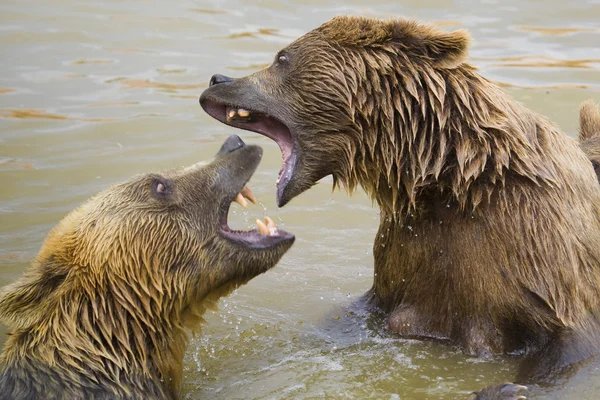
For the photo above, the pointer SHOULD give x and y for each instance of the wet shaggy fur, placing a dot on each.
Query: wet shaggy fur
(589, 133)
(103, 311)
(490, 215)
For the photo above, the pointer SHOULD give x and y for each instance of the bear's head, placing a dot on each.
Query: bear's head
(135, 265)
(323, 90)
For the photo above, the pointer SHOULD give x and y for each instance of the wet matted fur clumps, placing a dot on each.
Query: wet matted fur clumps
(589, 132)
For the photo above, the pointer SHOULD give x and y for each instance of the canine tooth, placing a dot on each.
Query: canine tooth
(247, 193)
(243, 113)
(271, 226)
(241, 200)
(270, 223)
(262, 228)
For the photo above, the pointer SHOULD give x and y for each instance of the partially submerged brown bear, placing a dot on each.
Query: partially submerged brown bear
(103, 311)
(490, 216)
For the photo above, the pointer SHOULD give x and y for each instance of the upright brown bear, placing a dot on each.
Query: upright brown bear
(490, 216)
(103, 312)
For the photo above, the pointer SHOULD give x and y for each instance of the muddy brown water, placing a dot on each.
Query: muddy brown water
(92, 92)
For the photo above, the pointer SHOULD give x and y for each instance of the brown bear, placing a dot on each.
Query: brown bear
(489, 235)
(103, 311)
(589, 133)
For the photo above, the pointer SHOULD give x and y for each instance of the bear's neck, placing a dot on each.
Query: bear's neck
(441, 137)
(111, 338)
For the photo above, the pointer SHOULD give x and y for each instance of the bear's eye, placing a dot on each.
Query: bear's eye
(282, 58)
(160, 188)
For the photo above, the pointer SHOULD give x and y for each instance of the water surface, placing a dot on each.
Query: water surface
(92, 92)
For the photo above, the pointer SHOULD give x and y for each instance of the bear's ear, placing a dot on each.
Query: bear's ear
(444, 49)
(589, 120)
(26, 301)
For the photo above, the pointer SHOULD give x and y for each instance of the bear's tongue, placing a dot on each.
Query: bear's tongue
(267, 228)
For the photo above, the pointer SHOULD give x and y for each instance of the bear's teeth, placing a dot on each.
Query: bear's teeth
(247, 193)
(268, 229)
(262, 228)
(244, 194)
(231, 115)
(271, 226)
(234, 113)
(241, 200)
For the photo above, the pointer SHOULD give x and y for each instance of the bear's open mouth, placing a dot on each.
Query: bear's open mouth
(259, 122)
(267, 234)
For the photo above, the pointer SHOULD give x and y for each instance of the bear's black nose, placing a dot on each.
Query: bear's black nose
(233, 143)
(217, 78)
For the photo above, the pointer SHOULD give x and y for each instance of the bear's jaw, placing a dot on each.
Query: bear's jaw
(260, 122)
(266, 236)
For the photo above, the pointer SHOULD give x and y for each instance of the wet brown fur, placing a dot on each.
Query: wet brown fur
(105, 309)
(482, 201)
(589, 133)
(490, 215)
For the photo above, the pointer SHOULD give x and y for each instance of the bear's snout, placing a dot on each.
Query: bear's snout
(233, 143)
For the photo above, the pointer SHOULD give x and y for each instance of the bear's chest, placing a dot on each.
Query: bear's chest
(445, 279)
